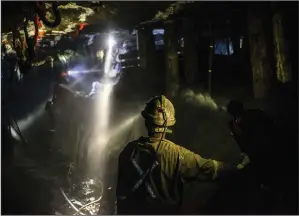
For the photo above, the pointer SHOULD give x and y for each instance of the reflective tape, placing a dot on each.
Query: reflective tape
(143, 176)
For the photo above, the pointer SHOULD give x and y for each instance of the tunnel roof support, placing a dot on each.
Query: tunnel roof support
(171, 58)
(190, 36)
(264, 78)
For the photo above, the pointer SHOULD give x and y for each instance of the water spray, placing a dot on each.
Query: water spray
(199, 99)
(124, 125)
(101, 135)
(102, 114)
(111, 43)
(25, 123)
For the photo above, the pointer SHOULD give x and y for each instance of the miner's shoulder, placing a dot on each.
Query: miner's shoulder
(169, 146)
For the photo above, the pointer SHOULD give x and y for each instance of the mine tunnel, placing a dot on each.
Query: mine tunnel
(75, 77)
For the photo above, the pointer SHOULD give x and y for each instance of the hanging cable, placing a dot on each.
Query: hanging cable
(30, 41)
(14, 125)
(33, 11)
(40, 10)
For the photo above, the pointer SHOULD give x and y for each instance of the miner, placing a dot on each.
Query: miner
(253, 130)
(152, 169)
(256, 135)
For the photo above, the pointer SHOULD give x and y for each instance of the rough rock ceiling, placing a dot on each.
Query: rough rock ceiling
(74, 14)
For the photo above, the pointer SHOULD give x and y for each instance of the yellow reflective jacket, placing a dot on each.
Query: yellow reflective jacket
(176, 164)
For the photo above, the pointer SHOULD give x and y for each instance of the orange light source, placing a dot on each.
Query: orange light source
(79, 28)
(63, 74)
(82, 25)
(39, 23)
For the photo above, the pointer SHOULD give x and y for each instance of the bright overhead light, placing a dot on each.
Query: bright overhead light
(111, 42)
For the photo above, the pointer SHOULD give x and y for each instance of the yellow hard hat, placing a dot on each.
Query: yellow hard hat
(159, 111)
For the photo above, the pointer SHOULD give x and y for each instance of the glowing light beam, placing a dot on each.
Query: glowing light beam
(108, 60)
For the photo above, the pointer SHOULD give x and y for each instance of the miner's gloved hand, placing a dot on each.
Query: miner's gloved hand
(245, 160)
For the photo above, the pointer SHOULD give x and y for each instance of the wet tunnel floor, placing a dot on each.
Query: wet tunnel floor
(36, 172)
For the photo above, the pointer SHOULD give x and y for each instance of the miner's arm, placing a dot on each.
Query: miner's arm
(194, 167)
